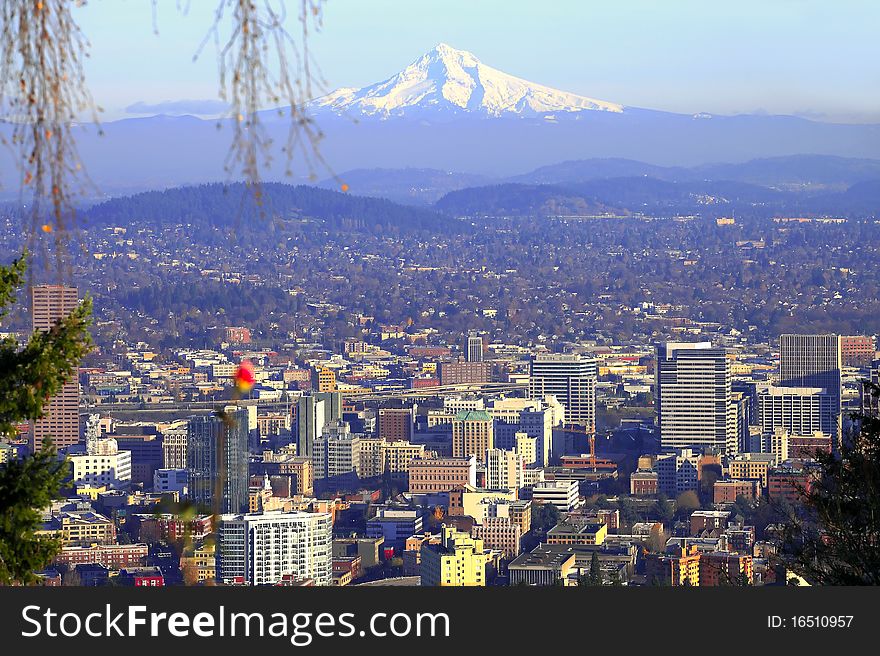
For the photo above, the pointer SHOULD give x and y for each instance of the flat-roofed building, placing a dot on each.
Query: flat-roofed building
(462, 372)
(435, 475)
(727, 491)
(395, 525)
(812, 361)
(694, 398)
(60, 420)
(396, 424)
(680, 568)
(396, 458)
(503, 470)
(572, 379)
(459, 560)
(751, 466)
(541, 568)
(725, 568)
(708, 520)
(644, 483)
(560, 492)
(499, 534)
(81, 528)
(857, 350)
(798, 410)
(576, 532)
(111, 556)
(478, 503)
(264, 548)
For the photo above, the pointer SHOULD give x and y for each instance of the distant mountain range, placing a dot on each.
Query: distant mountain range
(780, 183)
(448, 111)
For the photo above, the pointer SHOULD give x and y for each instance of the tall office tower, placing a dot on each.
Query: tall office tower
(694, 398)
(213, 460)
(797, 410)
(268, 548)
(472, 434)
(60, 420)
(812, 361)
(310, 419)
(474, 348)
(572, 380)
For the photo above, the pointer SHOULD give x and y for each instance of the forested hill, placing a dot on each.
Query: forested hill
(221, 205)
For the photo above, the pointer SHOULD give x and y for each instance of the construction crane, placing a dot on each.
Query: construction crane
(591, 436)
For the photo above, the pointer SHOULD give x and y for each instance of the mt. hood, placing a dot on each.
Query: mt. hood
(446, 80)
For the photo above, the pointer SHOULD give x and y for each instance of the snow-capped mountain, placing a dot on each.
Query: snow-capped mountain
(446, 80)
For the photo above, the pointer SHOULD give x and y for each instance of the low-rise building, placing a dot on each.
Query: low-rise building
(560, 492)
(708, 520)
(577, 532)
(541, 568)
(458, 561)
(436, 475)
(395, 526)
(727, 491)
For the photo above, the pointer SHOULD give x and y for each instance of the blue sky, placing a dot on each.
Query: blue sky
(820, 59)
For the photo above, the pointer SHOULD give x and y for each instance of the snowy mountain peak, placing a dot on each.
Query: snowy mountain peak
(448, 80)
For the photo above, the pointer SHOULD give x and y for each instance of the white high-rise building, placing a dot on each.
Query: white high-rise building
(694, 397)
(571, 378)
(264, 548)
(336, 453)
(798, 410)
(503, 470)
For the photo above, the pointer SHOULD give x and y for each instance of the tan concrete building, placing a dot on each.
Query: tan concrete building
(751, 466)
(472, 434)
(500, 534)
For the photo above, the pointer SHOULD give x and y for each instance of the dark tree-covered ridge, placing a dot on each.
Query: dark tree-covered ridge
(222, 205)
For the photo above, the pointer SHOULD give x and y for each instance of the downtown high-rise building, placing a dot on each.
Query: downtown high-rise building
(571, 378)
(472, 434)
(273, 547)
(797, 411)
(217, 461)
(336, 454)
(812, 361)
(60, 420)
(694, 399)
(474, 348)
(313, 412)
